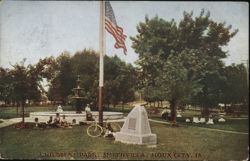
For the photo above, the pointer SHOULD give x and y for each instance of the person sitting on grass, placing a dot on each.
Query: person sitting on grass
(109, 132)
(56, 122)
(74, 122)
(50, 120)
(64, 122)
(39, 124)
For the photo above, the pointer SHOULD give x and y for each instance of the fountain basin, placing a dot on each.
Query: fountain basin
(70, 115)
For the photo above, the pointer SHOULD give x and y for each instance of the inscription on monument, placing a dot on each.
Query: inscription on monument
(132, 123)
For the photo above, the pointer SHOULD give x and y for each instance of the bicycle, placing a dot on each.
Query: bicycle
(95, 130)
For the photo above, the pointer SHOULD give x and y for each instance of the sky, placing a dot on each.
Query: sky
(38, 29)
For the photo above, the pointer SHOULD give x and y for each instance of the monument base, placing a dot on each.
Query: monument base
(136, 139)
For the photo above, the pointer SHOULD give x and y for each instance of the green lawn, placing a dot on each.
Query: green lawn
(176, 143)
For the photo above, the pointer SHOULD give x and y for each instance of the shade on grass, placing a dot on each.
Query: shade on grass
(177, 143)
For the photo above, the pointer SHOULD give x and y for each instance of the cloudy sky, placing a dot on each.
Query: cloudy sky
(37, 29)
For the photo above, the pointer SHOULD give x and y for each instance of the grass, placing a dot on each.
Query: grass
(177, 143)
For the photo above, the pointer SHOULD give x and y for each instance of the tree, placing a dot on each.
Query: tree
(119, 81)
(63, 81)
(85, 63)
(180, 79)
(158, 39)
(25, 84)
(6, 86)
(234, 89)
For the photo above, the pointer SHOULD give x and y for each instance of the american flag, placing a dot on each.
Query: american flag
(112, 27)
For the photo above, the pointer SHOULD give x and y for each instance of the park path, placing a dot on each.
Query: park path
(12, 121)
(211, 129)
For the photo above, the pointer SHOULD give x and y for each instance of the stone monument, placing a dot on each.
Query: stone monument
(196, 120)
(210, 121)
(222, 115)
(187, 120)
(178, 114)
(202, 120)
(221, 120)
(136, 128)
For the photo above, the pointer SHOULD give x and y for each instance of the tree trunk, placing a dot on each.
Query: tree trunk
(23, 102)
(17, 109)
(173, 104)
(205, 112)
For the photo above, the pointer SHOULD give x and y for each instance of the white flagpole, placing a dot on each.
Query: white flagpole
(101, 62)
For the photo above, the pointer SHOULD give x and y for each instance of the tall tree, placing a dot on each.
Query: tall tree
(180, 79)
(234, 89)
(85, 64)
(6, 86)
(63, 82)
(25, 82)
(119, 81)
(157, 39)
(119, 77)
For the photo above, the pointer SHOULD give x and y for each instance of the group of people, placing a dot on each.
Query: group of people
(58, 122)
(62, 122)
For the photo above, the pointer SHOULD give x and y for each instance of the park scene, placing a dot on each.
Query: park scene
(88, 80)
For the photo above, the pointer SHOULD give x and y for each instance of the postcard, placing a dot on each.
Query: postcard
(124, 80)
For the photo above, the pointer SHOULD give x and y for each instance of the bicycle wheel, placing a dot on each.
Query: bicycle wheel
(94, 130)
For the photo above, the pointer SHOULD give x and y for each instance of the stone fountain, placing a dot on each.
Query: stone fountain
(78, 96)
(77, 116)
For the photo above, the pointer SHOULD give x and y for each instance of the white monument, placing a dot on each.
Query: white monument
(202, 120)
(187, 120)
(59, 109)
(221, 120)
(136, 128)
(210, 121)
(196, 120)
(178, 114)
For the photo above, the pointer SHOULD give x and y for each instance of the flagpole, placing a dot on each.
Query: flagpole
(101, 61)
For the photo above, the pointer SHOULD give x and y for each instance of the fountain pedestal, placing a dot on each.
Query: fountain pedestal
(77, 96)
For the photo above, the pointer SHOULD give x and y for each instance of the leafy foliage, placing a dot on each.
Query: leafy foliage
(182, 60)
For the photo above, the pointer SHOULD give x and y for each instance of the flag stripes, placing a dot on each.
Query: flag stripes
(113, 28)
